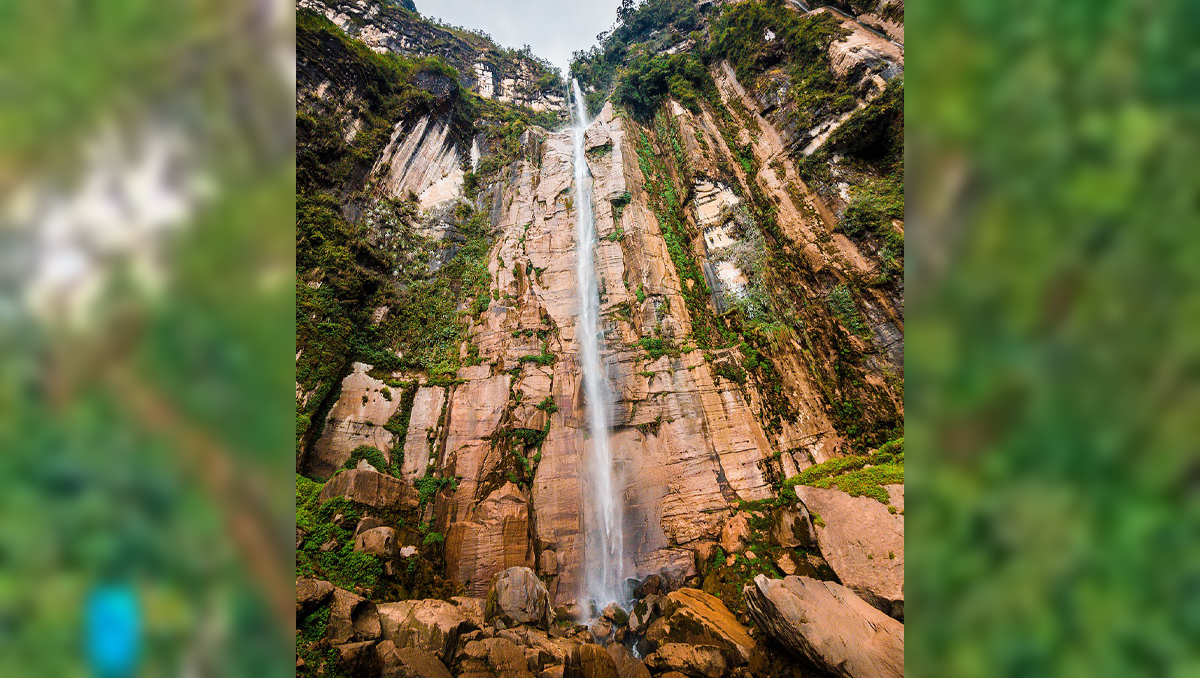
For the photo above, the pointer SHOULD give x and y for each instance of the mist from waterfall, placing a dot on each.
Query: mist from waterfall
(603, 531)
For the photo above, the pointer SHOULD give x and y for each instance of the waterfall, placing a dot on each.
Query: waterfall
(603, 559)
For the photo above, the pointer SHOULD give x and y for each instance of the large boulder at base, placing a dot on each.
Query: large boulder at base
(517, 595)
(651, 586)
(429, 625)
(829, 625)
(311, 594)
(696, 661)
(471, 608)
(542, 652)
(371, 488)
(351, 618)
(596, 662)
(694, 617)
(863, 542)
(627, 665)
(409, 662)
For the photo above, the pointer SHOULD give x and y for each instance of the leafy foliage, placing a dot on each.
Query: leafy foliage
(876, 131)
(424, 324)
(397, 424)
(374, 457)
(342, 566)
(649, 80)
(631, 39)
(386, 89)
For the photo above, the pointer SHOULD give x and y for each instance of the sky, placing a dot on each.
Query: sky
(553, 28)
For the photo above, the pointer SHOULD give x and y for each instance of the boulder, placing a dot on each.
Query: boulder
(616, 614)
(735, 534)
(377, 541)
(697, 618)
(696, 661)
(601, 629)
(596, 662)
(518, 596)
(644, 611)
(492, 658)
(862, 542)
(358, 659)
(409, 662)
(310, 595)
(371, 488)
(829, 625)
(471, 608)
(429, 625)
(351, 618)
(627, 665)
(650, 586)
(542, 651)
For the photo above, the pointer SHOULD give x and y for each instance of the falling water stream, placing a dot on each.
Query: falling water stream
(603, 578)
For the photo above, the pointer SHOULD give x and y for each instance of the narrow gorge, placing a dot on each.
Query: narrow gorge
(601, 375)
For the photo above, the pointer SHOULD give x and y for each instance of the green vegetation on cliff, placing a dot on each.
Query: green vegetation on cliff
(641, 32)
(800, 47)
(386, 90)
(857, 475)
(357, 252)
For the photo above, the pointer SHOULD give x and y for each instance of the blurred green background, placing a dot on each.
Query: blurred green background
(146, 331)
(1052, 344)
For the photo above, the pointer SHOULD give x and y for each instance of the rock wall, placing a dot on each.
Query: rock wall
(689, 443)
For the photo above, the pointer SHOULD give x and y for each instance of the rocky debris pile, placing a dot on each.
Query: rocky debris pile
(828, 625)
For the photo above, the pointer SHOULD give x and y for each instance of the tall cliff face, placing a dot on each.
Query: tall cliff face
(751, 304)
(490, 71)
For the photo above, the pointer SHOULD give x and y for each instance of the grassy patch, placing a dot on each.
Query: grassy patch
(857, 475)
